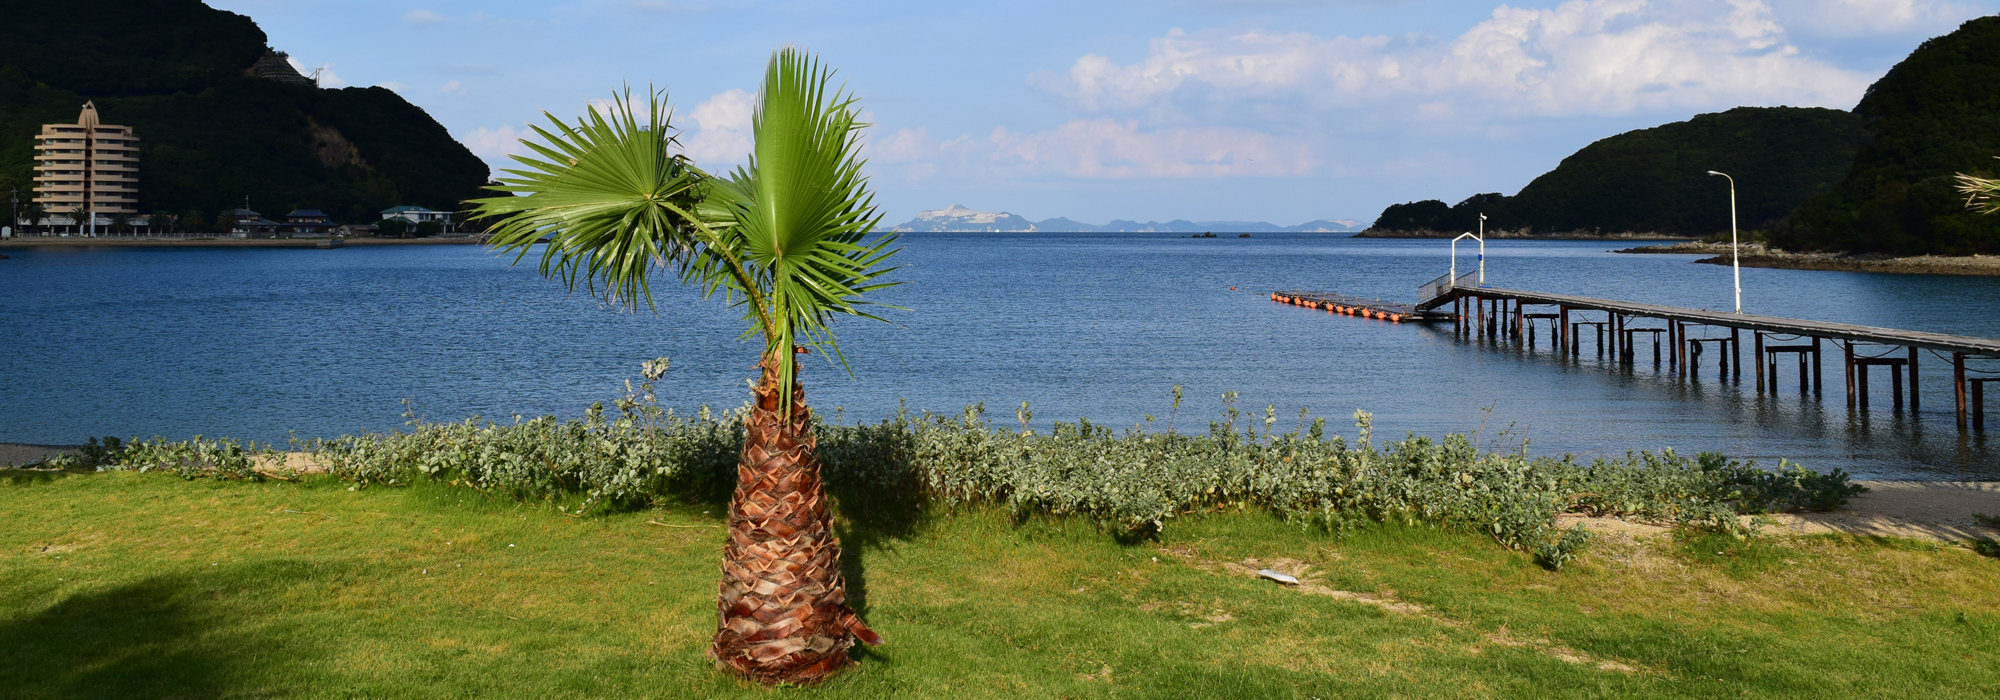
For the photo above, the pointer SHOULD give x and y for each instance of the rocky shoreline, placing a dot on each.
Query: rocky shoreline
(1757, 255)
(1687, 248)
(1518, 235)
(1970, 265)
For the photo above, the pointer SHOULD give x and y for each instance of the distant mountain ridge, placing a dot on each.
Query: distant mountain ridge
(959, 218)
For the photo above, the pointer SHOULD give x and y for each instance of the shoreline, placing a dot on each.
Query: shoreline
(1520, 236)
(1757, 255)
(75, 242)
(1967, 266)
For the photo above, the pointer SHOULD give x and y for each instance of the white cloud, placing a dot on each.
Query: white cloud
(1853, 18)
(1112, 149)
(495, 145)
(1584, 57)
(452, 89)
(722, 130)
(422, 16)
(902, 147)
(1098, 149)
(662, 7)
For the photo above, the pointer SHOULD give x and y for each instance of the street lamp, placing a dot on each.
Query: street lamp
(1733, 266)
(1482, 250)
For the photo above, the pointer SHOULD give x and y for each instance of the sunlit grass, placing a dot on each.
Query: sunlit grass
(143, 585)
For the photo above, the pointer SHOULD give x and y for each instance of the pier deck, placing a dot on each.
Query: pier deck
(1616, 329)
(1984, 347)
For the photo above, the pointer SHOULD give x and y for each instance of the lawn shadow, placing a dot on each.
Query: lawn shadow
(170, 636)
(37, 477)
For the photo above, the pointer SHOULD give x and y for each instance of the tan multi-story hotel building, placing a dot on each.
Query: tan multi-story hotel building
(89, 165)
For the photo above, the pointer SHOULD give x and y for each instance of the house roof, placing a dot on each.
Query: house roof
(304, 213)
(409, 209)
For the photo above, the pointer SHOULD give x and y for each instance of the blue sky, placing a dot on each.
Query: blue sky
(1262, 110)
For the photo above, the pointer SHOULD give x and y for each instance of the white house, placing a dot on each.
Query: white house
(418, 215)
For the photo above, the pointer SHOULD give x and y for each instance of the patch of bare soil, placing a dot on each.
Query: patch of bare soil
(283, 462)
(1310, 583)
(1944, 511)
(1933, 510)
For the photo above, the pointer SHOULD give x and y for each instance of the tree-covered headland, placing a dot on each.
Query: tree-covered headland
(1879, 178)
(1656, 180)
(211, 134)
(1933, 116)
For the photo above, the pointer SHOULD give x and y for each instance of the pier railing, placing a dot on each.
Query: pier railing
(1443, 285)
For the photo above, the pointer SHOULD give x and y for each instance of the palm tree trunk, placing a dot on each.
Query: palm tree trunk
(783, 614)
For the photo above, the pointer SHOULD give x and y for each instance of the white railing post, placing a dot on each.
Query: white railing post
(1482, 257)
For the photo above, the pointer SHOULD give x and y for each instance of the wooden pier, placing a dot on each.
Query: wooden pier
(1355, 306)
(1682, 340)
(1690, 336)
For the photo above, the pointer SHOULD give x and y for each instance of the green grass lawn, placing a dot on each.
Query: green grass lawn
(143, 585)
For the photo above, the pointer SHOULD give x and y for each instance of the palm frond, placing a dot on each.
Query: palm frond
(613, 200)
(1981, 194)
(801, 211)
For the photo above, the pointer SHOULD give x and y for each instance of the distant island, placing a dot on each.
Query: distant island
(959, 218)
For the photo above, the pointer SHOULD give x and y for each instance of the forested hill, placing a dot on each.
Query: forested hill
(1656, 180)
(1932, 116)
(210, 133)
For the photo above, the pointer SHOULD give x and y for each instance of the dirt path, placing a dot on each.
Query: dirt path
(1944, 511)
(1939, 510)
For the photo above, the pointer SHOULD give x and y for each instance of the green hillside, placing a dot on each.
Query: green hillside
(1656, 180)
(1935, 114)
(210, 134)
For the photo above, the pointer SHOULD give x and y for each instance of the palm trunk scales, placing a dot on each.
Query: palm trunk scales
(782, 612)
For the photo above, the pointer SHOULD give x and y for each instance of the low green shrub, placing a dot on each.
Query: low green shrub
(1555, 553)
(225, 458)
(1131, 482)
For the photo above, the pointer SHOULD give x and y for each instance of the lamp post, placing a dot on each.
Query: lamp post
(1482, 250)
(1734, 268)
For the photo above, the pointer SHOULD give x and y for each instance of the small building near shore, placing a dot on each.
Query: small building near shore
(244, 223)
(307, 222)
(357, 230)
(418, 215)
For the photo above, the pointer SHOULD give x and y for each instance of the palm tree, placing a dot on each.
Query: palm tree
(785, 240)
(33, 213)
(1981, 194)
(160, 224)
(82, 217)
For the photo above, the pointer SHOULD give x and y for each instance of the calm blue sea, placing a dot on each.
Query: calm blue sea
(259, 343)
